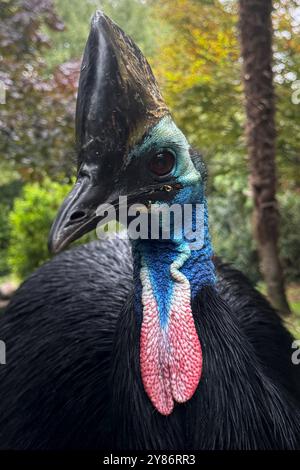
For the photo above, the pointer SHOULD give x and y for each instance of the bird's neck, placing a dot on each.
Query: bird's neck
(168, 274)
(156, 258)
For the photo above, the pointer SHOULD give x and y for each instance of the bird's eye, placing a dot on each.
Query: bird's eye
(162, 163)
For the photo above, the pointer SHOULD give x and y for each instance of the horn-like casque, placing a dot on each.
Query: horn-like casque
(118, 98)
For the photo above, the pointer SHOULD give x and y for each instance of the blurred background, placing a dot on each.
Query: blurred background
(193, 47)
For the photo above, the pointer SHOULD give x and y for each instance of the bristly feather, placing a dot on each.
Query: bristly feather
(74, 347)
(199, 163)
(77, 375)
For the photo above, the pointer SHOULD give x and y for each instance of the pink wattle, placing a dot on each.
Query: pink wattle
(170, 357)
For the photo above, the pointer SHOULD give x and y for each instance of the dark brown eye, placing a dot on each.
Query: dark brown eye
(162, 163)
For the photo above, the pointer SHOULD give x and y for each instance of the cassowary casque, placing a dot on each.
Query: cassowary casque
(146, 343)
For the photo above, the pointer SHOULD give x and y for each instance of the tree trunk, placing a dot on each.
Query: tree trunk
(256, 41)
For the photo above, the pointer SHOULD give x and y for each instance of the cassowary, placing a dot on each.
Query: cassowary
(140, 344)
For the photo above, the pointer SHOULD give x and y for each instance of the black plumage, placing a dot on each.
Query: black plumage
(72, 378)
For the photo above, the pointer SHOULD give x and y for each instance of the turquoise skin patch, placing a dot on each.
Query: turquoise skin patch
(166, 136)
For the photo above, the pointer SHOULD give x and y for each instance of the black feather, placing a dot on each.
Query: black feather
(72, 378)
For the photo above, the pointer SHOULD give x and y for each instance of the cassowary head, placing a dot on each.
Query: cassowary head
(128, 144)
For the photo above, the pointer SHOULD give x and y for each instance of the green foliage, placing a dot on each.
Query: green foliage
(4, 238)
(230, 206)
(199, 67)
(132, 15)
(70, 43)
(194, 49)
(8, 192)
(287, 75)
(30, 222)
(230, 222)
(200, 72)
(290, 230)
(37, 120)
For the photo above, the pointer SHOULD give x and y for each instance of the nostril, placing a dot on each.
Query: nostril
(77, 215)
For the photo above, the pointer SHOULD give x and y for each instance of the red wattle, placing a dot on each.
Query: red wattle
(170, 356)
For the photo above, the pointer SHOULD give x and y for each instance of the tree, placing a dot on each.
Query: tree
(193, 47)
(36, 124)
(198, 67)
(256, 41)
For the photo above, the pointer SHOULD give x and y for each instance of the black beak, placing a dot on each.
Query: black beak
(76, 216)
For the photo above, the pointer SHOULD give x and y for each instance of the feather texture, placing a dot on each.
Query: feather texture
(72, 379)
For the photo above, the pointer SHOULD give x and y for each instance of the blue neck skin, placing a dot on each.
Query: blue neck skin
(158, 255)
